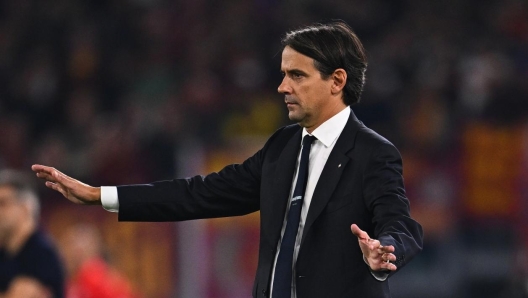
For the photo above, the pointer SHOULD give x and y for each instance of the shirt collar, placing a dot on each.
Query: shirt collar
(328, 132)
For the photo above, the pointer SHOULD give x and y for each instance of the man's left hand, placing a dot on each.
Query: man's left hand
(377, 256)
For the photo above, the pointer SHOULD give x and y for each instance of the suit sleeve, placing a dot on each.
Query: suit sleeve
(384, 193)
(232, 191)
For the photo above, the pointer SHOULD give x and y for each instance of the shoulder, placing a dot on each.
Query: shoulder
(371, 145)
(285, 133)
(37, 245)
(39, 257)
(370, 139)
(281, 137)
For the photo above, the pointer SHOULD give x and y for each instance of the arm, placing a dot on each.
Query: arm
(398, 238)
(235, 190)
(26, 287)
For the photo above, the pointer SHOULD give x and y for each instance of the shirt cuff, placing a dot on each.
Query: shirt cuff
(109, 198)
(378, 275)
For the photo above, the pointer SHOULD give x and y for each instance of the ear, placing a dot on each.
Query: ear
(339, 78)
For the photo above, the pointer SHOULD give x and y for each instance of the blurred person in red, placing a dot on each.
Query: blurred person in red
(30, 266)
(89, 274)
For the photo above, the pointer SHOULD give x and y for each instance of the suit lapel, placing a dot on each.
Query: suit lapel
(283, 182)
(332, 172)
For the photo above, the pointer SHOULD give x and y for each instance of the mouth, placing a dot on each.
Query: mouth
(290, 102)
(291, 105)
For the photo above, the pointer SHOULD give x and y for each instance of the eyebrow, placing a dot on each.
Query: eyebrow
(294, 71)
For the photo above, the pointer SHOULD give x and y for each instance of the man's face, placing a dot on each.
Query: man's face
(11, 210)
(308, 96)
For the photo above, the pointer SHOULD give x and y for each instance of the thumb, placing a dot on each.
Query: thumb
(359, 233)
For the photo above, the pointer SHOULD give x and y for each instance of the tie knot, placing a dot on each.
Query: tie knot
(308, 139)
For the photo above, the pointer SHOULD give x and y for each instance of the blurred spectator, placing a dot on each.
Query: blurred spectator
(89, 274)
(29, 264)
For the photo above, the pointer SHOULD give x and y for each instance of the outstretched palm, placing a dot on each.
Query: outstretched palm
(72, 189)
(377, 256)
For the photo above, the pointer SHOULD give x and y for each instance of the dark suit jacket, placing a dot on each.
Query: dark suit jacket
(361, 183)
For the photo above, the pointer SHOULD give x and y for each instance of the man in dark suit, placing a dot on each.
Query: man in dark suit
(312, 197)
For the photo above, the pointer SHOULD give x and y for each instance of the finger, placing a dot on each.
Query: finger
(44, 172)
(389, 266)
(63, 191)
(386, 257)
(36, 167)
(45, 176)
(56, 174)
(54, 186)
(386, 249)
(41, 168)
(59, 177)
(359, 233)
(378, 263)
(374, 245)
(48, 173)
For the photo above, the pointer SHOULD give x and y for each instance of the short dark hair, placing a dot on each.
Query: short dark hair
(333, 46)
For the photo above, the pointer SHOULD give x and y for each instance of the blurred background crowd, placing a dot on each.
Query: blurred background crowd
(130, 91)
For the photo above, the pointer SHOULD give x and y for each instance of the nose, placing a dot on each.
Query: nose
(284, 88)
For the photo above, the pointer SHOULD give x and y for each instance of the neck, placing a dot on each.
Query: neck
(332, 110)
(19, 237)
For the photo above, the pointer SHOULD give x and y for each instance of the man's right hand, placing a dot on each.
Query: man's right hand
(72, 189)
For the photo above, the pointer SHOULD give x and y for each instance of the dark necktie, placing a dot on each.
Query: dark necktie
(283, 269)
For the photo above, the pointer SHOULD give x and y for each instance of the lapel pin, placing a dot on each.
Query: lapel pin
(339, 166)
